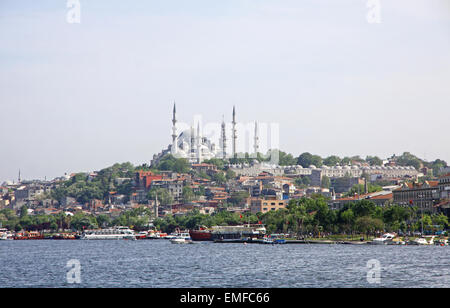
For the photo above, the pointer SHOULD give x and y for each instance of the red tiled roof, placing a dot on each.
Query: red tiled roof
(382, 197)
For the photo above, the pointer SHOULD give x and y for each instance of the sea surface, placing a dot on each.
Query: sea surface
(160, 264)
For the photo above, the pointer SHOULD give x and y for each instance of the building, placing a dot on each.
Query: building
(208, 169)
(381, 198)
(423, 195)
(143, 179)
(316, 174)
(444, 186)
(260, 205)
(192, 145)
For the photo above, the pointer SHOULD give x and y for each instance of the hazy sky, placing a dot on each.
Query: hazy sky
(80, 97)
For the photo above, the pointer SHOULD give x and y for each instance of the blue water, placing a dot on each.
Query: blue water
(159, 263)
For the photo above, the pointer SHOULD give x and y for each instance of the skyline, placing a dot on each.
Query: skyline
(81, 97)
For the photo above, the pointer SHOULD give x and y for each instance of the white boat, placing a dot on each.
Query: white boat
(384, 240)
(420, 241)
(6, 235)
(441, 242)
(183, 238)
(118, 233)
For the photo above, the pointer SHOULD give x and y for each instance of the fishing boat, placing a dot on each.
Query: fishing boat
(118, 233)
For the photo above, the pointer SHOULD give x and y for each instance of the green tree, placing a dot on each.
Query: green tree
(332, 161)
(326, 182)
(374, 160)
(188, 194)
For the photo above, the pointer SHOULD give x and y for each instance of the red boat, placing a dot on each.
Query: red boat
(31, 235)
(201, 234)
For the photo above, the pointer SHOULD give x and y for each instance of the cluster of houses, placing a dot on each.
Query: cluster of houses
(254, 188)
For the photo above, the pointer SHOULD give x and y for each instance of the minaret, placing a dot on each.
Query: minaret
(224, 140)
(174, 131)
(192, 155)
(19, 177)
(256, 141)
(234, 137)
(155, 208)
(199, 154)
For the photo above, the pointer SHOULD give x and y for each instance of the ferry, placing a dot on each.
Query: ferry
(118, 233)
(224, 233)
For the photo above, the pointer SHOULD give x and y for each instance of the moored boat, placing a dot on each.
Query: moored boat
(29, 235)
(152, 235)
(441, 242)
(65, 236)
(384, 240)
(220, 233)
(141, 235)
(183, 238)
(202, 234)
(118, 233)
(421, 241)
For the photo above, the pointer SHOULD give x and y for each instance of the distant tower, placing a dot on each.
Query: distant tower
(174, 131)
(199, 153)
(155, 209)
(234, 136)
(224, 140)
(192, 142)
(19, 177)
(256, 141)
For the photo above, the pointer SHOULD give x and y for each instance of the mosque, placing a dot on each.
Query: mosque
(191, 145)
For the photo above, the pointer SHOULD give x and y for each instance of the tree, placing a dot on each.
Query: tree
(217, 162)
(23, 211)
(230, 174)
(374, 160)
(188, 194)
(285, 159)
(305, 160)
(332, 161)
(238, 197)
(368, 225)
(219, 178)
(348, 218)
(163, 195)
(302, 182)
(326, 182)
